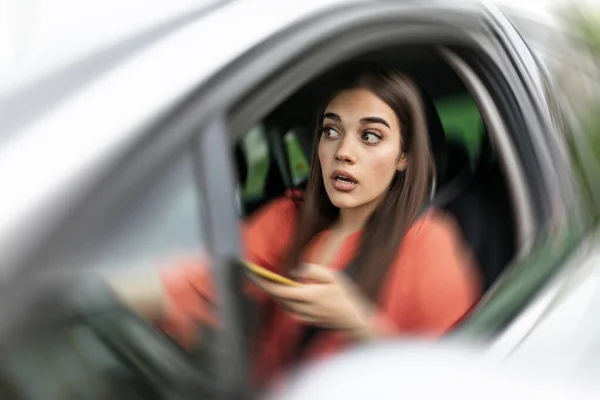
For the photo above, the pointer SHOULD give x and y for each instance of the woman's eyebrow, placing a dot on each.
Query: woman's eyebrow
(332, 116)
(375, 120)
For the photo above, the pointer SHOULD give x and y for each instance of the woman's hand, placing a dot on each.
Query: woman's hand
(326, 299)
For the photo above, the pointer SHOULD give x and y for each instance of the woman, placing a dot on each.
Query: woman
(372, 264)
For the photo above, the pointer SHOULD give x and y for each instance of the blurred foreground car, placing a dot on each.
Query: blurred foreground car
(119, 154)
(431, 371)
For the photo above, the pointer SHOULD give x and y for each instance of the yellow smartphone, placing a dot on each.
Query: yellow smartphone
(266, 274)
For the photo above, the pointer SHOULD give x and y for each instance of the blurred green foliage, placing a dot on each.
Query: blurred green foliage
(581, 85)
(584, 19)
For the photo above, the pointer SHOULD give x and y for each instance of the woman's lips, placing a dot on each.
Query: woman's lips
(340, 173)
(343, 181)
(343, 186)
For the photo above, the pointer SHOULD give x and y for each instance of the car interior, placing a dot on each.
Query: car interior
(275, 155)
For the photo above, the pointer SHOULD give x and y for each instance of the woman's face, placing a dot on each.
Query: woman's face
(359, 148)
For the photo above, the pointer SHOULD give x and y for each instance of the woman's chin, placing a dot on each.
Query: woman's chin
(343, 200)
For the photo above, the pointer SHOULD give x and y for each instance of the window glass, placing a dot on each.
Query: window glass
(160, 222)
(264, 170)
(462, 121)
(256, 151)
(297, 160)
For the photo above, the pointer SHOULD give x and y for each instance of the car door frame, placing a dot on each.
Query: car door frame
(567, 267)
(527, 145)
(535, 138)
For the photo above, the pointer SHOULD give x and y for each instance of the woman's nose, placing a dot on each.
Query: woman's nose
(346, 151)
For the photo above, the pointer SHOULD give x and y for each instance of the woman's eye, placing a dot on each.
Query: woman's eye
(330, 133)
(371, 138)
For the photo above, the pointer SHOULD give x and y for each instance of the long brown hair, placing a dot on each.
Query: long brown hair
(408, 191)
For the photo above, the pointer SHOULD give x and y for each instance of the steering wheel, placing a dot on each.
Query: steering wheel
(92, 346)
(165, 367)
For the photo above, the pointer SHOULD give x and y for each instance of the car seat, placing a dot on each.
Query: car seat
(485, 216)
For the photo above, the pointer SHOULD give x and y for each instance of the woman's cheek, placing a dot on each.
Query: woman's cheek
(323, 154)
(383, 166)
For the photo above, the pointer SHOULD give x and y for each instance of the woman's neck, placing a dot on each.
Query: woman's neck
(354, 219)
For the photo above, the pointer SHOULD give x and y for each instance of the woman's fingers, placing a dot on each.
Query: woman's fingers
(308, 320)
(300, 308)
(305, 317)
(316, 273)
(302, 312)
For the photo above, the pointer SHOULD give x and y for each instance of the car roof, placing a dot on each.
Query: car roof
(45, 36)
(45, 41)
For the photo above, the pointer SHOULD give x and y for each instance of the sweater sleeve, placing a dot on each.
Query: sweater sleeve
(188, 287)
